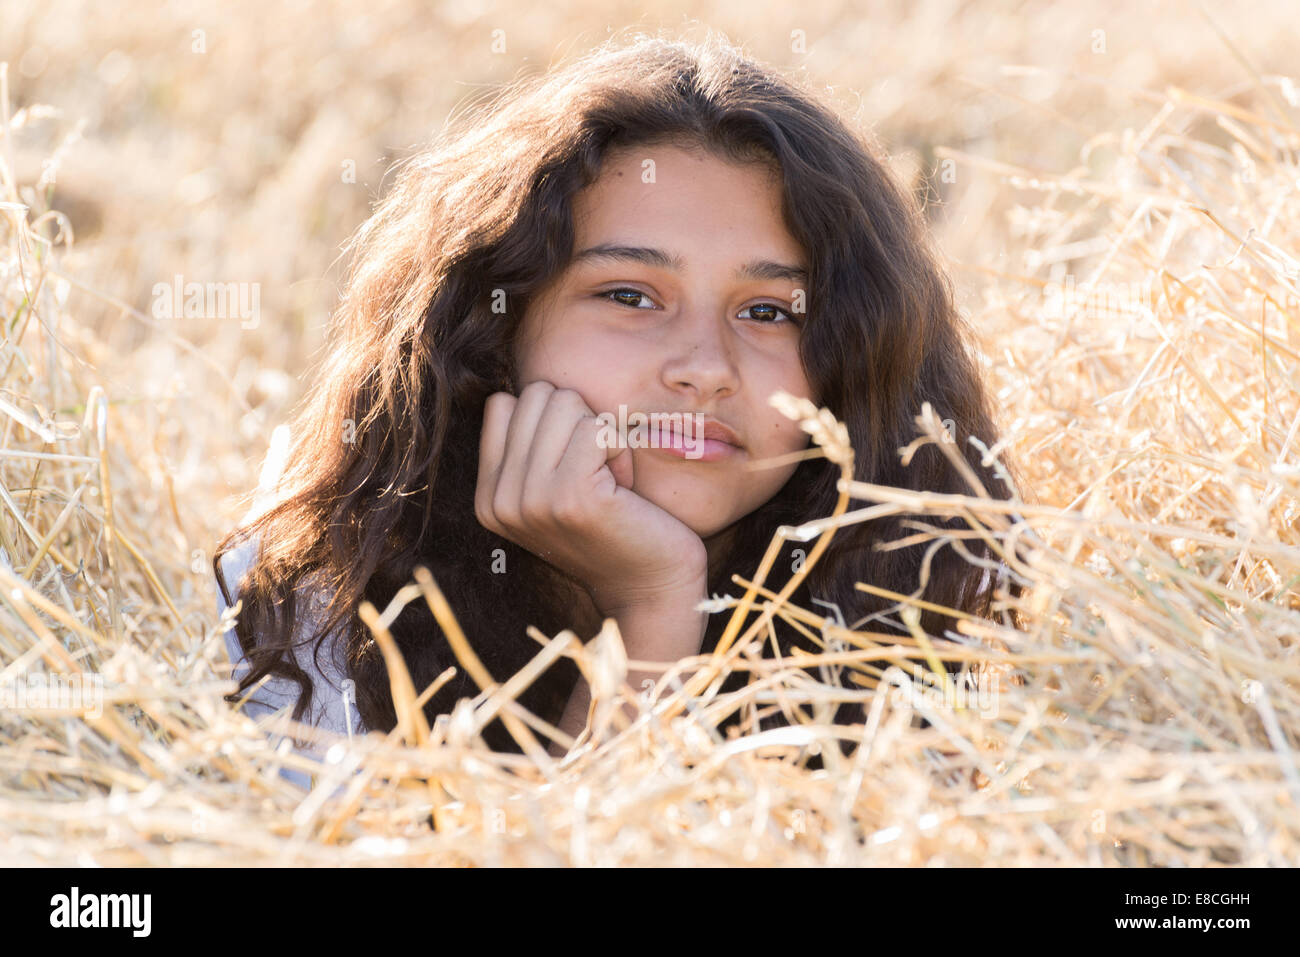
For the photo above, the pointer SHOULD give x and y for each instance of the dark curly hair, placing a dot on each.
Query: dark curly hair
(415, 349)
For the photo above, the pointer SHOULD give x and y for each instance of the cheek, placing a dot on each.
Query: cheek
(786, 436)
(571, 358)
(780, 434)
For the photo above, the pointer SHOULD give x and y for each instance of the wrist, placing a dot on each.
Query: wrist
(665, 627)
(682, 591)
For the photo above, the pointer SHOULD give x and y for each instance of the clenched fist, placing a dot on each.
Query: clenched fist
(545, 482)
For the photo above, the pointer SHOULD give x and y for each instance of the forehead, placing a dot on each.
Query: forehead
(683, 197)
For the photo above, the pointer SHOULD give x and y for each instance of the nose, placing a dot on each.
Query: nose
(700, 358)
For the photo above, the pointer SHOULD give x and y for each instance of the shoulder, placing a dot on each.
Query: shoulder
(234, 563)
(333, 704)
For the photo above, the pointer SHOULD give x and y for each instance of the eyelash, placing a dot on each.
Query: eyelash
(607, 295)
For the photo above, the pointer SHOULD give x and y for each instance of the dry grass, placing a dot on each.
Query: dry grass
(1139, 300)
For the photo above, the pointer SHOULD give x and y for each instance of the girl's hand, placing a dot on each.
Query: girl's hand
(545, 483)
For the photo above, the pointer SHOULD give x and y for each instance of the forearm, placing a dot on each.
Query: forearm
(661, 631)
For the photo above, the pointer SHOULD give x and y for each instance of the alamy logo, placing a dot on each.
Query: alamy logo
(77, 692)
(212, 300)
(653, 430)
(102, 910)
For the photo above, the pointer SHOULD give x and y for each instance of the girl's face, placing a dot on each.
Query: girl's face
(680, 298)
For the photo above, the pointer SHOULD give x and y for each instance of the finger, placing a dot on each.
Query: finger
(564, 410)
(621, 465)
(491, 449)
(619, 459)
(497, 411)
(591, 448)
(519, 439)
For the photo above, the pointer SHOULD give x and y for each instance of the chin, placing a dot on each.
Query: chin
(700, 519)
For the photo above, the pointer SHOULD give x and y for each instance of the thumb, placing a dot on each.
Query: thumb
(620, 463)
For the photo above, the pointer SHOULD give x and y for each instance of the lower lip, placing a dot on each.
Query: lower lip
(699, 450)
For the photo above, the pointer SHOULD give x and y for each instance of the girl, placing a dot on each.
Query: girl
(656, 228)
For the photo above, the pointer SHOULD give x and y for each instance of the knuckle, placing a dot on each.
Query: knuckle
(590, 432)
(537, 505)
(534, 507)
(483, 510)
(568, 510)
(570, 399)
(505, 512)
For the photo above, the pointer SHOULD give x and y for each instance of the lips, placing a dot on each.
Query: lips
(709, 428)
(703, 440)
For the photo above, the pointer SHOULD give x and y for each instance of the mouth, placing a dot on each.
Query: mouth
(703, 440)
(717, 431)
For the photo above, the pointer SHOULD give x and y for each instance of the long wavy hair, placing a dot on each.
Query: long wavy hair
(380, 477)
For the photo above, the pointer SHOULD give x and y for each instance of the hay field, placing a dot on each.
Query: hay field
(1118, 194)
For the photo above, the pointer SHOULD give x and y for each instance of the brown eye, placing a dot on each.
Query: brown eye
(629, 294)
(767, 313)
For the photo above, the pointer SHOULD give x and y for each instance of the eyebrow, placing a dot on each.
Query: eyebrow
(757, 269)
